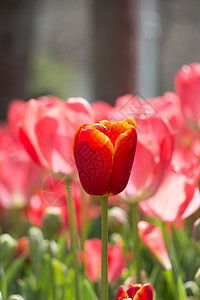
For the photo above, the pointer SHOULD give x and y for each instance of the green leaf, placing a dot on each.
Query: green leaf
(60, 272)
(87, 291)
(181, 289)
(14, 268)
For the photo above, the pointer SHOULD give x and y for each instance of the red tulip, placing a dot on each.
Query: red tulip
(152, 237)
(135, 292)
(187, 83)
(92, 260)
(104, 154)
(47, 129)
(154, 148)
(23, 248)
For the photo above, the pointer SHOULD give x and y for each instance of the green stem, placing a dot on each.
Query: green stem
(136, 245)
(74, 242)
(178, 282)
(104, 248)
(83, 217)
(3, 283)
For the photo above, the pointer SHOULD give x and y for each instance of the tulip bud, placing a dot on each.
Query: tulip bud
(49, 247)
(104, 154)
(52, 221)
(15, 297)
(35, 239)
(7, 248)
(117, 219)
(196, 230)
(114, 238)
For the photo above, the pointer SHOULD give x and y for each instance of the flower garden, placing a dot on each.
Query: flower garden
(102, 202)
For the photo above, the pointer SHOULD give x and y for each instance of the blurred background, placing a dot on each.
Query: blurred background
(94, 49)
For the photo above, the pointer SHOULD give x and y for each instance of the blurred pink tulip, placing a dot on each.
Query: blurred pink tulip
(187, 84)
(47, 130)
(53, 194)
(19, 176)
(177, 197)
(14, 115)
(92, 260)
(168, 107)
(102, 110)
(154, 148)
(152, 237)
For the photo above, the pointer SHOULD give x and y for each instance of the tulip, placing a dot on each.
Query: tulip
(104, 154)
(14, 115)
(102, 110)
(178, 195)
(53, 196)
(23, 248)
(177, 198)
(168, 107)
(7, 246)
(92, 260)
(187, 84)
(47, 129)
(152, 237)
(135, 292)
(19, 176)
(154, 148)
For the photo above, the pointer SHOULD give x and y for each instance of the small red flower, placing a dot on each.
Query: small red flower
(92, 260)
(135, 292)
(104, 154)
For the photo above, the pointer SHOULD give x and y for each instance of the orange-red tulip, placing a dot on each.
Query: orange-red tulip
(104, 154)
(135, 292)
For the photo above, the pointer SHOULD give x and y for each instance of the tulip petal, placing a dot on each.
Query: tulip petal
(94, 160)
(125, 147)
(121, 294)
(132, 290)
(145, 293)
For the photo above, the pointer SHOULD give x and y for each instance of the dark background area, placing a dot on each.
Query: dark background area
(94, 49)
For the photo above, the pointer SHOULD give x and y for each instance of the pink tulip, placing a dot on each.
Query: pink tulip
(178, 196)
(168, 107)
(92, 260)
(152, 237)
(47, 130)
(19, 176)
(187, 83)
(102, 110)
(14, 115)
(154, 148)
(53, 194)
